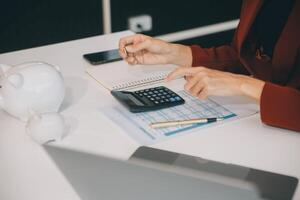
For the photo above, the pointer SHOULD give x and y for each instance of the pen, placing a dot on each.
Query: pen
(184, 122)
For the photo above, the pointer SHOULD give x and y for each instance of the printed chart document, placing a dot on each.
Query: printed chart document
(120, 75)
(136, 125)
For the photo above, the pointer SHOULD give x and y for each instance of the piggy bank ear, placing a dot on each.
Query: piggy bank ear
(57, 68)
(4, 69)
(16, 80)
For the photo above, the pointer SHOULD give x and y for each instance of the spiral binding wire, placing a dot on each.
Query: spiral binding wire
(146, 81)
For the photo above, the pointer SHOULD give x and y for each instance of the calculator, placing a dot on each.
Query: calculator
(148, 99)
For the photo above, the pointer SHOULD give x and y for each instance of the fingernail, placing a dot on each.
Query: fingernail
(128, 48)
(125, 51)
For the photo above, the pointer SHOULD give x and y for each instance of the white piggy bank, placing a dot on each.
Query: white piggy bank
(34, 92)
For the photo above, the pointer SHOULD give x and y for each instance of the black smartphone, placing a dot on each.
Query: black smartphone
(103, 57)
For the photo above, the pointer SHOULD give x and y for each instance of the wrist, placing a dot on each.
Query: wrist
(181, 55)
(252, 87)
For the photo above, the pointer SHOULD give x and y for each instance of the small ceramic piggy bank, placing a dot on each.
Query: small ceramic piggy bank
(33, 92)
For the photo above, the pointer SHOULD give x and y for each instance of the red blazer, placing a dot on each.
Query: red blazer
(280, 100)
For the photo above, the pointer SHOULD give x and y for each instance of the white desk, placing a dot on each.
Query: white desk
(27, 172)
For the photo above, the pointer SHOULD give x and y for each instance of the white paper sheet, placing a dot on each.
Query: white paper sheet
(136, 125)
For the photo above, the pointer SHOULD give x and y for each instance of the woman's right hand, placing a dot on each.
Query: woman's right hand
(142, 49)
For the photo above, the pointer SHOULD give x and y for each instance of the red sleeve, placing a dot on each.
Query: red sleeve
(280, 106)
(224, 58)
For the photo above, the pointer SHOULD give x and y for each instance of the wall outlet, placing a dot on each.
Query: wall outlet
(140, 23)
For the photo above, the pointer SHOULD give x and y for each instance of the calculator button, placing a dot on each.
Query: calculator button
(177, 98)
(159, 97)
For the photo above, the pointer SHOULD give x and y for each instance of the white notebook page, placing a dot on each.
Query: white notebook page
(120, 75)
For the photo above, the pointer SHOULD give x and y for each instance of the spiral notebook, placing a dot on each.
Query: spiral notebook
(120, 75)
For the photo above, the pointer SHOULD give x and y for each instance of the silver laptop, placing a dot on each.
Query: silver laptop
(155, 175)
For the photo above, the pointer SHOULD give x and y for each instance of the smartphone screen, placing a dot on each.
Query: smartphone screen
(103, 57)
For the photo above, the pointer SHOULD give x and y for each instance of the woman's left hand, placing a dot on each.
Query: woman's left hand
(203, 82)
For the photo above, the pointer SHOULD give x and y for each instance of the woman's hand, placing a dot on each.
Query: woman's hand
(142, 49)
(203, 82)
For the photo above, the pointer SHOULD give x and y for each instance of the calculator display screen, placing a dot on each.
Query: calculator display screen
(135, 100)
